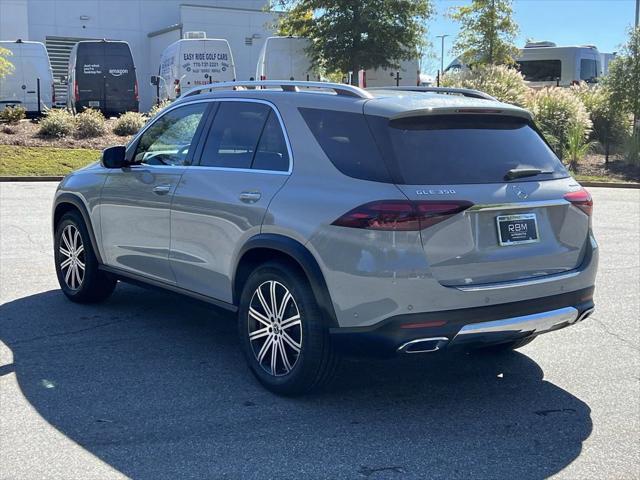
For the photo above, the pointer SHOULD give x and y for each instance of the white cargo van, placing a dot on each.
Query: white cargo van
(285, 58)
(192, 62)
(408, 74)
(31, 62)
(544, 64)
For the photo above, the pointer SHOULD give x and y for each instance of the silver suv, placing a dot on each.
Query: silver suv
(334, 219)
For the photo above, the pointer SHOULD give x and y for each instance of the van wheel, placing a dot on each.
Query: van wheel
(282, 333)
(76, 262)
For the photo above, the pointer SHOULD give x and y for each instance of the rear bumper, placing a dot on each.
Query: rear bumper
(469, 327)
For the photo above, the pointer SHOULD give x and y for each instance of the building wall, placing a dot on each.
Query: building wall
(14, 20)
(133, 21)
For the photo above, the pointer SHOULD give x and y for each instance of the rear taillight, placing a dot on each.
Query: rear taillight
(76, 91)
(400, 215)
(53, 94)
(581, 199)
(177, 87)
(135, 91)
(263, 77)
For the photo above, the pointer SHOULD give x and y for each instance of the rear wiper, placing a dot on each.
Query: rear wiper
(524, 172)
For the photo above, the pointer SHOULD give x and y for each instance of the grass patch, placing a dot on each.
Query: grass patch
(42, 161)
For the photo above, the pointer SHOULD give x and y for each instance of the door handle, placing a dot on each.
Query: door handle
(162, 189)
(250, 197)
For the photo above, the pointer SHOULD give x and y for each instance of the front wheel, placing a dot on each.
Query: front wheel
(283, 335)
(76, 263)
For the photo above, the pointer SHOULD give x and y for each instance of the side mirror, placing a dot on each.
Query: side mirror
(114, 157)
(155, 80)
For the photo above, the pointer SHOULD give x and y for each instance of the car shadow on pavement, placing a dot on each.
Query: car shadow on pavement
(155, 385)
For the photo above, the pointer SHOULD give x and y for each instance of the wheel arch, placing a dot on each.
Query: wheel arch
(68, 202)
(267, 246)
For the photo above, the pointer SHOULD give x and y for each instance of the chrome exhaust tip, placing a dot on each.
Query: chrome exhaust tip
(423, 345)
(586, 314)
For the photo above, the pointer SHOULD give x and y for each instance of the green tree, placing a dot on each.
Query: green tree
(623, 81)
(352, 35)
(487, 32)
(6, 67)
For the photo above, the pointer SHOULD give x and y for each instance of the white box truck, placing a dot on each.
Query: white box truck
(285, 58)
(30, 63)
(192, 62)
(407, 74)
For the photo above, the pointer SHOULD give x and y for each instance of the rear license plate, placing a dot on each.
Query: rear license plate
(517, 229)
(94, 103)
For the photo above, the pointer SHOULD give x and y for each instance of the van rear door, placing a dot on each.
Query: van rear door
(90, 75)
(11, 86)
(119, 79)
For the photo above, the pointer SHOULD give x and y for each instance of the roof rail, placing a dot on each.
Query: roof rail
(465, 92)
(285, 85)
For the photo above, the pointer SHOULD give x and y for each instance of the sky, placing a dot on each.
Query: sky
(602, 23)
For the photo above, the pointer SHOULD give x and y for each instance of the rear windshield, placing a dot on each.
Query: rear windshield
(455, 149)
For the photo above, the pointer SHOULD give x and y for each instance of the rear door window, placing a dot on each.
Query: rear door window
(458, 149)
(234, 134)
(346, 140)
(271, 153)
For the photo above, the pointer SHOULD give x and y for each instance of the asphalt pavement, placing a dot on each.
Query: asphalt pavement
(150, 385)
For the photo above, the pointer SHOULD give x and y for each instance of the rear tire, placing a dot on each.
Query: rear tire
(76, 262)
(288, 351)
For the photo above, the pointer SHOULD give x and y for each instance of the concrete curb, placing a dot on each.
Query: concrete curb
(57, 179)
(31, 179)
(609, 184)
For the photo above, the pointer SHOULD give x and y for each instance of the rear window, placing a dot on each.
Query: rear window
(346, 139)
(541, 70)
(456, 149)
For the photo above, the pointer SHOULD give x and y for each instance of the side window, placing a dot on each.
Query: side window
(234, 134)
(346, 140)
(272, 153)
(169, 140)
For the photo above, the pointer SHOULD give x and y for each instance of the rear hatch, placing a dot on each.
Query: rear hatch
(491, 195)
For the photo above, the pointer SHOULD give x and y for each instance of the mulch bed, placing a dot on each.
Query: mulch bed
(616, 170)
(25, 134)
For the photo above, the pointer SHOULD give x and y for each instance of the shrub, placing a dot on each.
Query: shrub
(577, 145)
(504, 83)
(156, 109)
(610, 124)
(13, 115)
(89, 123)
(129, 123)
(57, 123)
(557, 111)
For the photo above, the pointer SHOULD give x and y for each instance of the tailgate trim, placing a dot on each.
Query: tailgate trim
(517, 283)
(557, 202)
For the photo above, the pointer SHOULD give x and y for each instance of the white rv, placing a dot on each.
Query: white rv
(192, 62)
(408, 74)
(544, 63)
(285, 58)
(31, 62)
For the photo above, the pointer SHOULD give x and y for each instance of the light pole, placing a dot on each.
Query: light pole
(442, 37)
(637, 12)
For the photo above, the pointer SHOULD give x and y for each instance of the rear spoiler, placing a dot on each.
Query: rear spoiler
(507, 110)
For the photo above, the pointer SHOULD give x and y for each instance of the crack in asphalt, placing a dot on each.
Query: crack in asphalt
(615, 335)
(61, 334)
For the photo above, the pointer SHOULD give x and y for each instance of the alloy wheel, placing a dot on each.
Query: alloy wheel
(72, 264)
(275, 328)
